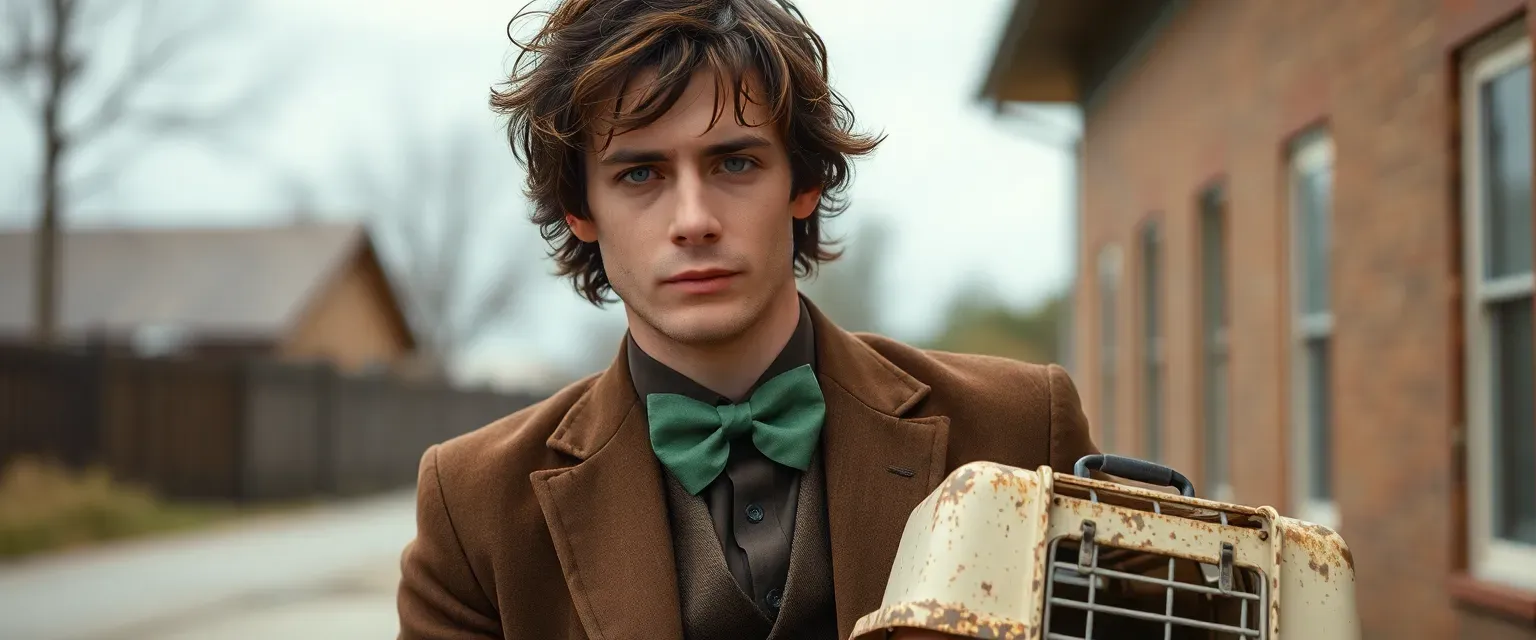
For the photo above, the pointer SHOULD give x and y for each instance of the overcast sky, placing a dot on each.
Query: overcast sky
(966, 193)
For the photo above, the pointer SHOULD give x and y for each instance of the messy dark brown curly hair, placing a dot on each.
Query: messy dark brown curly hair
(564, 85)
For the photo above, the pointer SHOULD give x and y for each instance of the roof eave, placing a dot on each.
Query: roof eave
(1069, 52)
(1003, 54)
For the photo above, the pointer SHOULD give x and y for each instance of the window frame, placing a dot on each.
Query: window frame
(1489, 557)
(1310, 152)
(1110, 275)
(1153, 361)
(1215, 343)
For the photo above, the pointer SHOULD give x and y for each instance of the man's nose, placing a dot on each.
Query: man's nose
(694, 221)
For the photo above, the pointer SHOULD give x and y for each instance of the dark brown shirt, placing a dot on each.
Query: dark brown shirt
(752, 504)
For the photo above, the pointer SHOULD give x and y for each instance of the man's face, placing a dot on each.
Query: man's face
(695, 221)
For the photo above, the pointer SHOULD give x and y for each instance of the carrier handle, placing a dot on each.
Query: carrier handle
(1134, 469)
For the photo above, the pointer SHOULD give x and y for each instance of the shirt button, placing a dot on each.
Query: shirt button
(754, 513)
(775, 599)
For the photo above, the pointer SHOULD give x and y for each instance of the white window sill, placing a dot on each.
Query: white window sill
(1508, 563)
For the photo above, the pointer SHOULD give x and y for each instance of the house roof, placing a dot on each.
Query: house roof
(215, 283)
(1068, 50)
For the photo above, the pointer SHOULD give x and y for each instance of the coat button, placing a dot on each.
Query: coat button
(774, 599)
(754, 513)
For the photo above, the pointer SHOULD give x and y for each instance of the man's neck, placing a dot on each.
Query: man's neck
(728, 368)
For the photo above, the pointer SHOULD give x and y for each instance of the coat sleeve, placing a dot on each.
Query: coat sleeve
(439, 597)
(1070, 437)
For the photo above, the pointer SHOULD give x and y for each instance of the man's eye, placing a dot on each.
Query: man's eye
(736, 165)
(638, 175)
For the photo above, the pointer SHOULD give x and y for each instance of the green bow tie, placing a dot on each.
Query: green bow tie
(693, 438)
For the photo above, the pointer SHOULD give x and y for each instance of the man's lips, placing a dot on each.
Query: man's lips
(700, 274)
(701, 281)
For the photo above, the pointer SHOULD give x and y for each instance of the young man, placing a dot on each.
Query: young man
(744, 468)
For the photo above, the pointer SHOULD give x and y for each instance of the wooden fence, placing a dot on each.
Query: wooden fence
(245, 430)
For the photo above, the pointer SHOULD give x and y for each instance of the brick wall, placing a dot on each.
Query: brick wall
(1219, 95)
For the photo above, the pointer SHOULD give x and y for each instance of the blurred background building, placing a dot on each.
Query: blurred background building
(304, 292)
(1304, 272)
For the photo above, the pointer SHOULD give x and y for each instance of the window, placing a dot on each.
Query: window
(1501, 418)
(1213, 343)
(1311, 213)
(1152, 341)
(1109, 290)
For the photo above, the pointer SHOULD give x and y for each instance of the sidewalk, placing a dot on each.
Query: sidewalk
(325, 573)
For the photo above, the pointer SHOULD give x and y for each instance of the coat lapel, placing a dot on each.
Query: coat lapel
(607, 515)
(878, 465)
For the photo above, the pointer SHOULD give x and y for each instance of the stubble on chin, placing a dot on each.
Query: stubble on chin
(705, 327)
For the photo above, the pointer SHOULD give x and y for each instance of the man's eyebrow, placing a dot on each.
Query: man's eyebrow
(736, 145)
(646, 156)
(633, 156)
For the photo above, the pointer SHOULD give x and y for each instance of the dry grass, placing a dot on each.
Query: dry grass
(44, 507)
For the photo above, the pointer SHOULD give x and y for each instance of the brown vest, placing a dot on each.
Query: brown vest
(713, 605)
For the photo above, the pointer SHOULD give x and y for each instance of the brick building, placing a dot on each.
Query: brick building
(1305, 271)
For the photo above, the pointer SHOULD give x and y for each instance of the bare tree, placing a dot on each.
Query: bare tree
(431, 213)
(52, 48)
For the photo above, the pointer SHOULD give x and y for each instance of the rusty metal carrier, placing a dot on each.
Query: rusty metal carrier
(1002, 552)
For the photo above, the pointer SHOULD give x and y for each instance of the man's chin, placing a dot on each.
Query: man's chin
(704, 323)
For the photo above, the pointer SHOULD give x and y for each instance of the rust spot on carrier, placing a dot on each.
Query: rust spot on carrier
(1335, 541)
(986, 587)
(960, 483)
(945, 618)
(969, 477)
(956, 576)
(1003, 480)
(1323, 546)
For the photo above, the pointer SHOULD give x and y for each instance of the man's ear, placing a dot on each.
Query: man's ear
(804, 204)
(584, 230)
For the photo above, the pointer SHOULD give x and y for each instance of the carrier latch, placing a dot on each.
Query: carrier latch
(1225, 581)
(1086, 550)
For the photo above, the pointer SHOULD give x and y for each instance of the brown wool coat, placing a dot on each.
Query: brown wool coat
(551, 523)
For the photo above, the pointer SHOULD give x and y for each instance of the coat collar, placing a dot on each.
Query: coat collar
(607, 513)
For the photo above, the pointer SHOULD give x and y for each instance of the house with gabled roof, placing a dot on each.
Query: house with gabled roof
(295, 292)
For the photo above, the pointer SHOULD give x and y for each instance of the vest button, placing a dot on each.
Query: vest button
(754, 513)
(775, 599)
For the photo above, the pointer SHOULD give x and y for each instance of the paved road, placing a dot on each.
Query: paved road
(329, 572)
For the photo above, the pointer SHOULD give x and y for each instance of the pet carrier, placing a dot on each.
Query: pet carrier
(1002, 552)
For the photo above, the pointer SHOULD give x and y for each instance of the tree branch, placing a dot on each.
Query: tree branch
(458, 211)
(145, 65)
(432, 214)
(495, 303)
(397, 211)
(23, 54)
